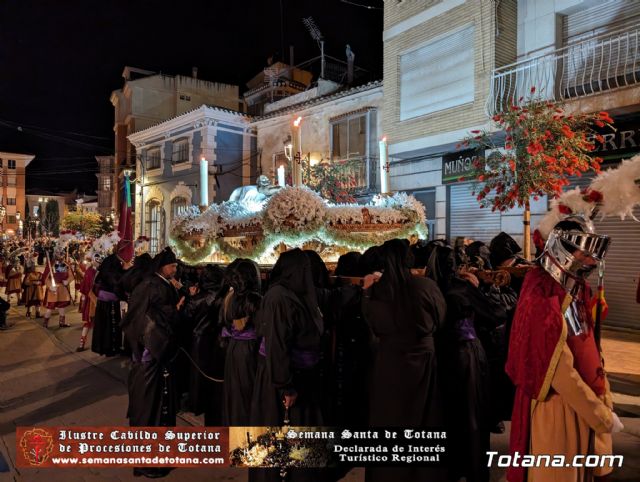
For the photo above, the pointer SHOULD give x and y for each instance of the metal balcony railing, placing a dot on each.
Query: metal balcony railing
(596, 65)
(363, 171)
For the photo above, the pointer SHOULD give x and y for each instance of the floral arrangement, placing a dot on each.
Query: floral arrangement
(412, 209)
(296, 217)
(188, 221)
(543, 145)
(237, 215)
(294, 209)
(274, 449)
(66, 236)
(104, 244)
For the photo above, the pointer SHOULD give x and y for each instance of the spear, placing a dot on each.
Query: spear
(53, 280)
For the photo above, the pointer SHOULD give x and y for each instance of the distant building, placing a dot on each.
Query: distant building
(13, 170)
(148, 98)
(168, 165)
(275, 82)
(106, 192)
(338, 125)
(37, 201)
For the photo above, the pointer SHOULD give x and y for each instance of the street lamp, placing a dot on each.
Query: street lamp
(19, 222)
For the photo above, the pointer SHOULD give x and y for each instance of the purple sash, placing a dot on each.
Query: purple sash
(466, 330)
(107, 296)
(249, 334)
(146, 357)
(304, 358)
(301, 359)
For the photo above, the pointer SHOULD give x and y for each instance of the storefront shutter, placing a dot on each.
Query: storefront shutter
(467, 218)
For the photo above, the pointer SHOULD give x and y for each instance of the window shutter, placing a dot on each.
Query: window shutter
(438, 75)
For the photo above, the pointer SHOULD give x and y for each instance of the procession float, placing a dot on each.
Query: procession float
(261, 221)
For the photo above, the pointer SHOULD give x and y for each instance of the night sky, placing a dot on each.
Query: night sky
(60, 60)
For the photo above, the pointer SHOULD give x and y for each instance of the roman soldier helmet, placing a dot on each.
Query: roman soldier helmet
(572, 251)
(569, 247)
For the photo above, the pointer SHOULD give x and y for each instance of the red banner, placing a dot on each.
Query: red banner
(122, 446)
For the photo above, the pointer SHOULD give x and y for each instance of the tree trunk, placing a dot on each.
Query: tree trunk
(526, 221)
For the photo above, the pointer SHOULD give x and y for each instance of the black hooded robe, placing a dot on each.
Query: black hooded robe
(208, 352)
(242, 351)
(286, 326)
(404, 390)
(291, 323)
(466, 377)
(107, 335)
(150, 327)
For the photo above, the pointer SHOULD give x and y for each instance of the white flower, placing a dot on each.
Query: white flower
(294, 208)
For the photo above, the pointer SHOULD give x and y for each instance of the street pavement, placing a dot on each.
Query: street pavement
(43, 381)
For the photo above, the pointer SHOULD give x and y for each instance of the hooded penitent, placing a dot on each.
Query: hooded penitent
(503, 247)
(293, 272)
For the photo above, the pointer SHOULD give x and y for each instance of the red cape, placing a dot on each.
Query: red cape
(537, 336)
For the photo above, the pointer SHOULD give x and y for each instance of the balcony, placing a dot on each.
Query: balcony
(362, 171)
(595, 66)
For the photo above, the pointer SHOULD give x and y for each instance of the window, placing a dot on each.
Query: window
(11, 219)
(181, 151)
(437, 76)
(11, 201)
(353, 140)
(106, 184)
(349, 138)
(11, 164)
(154, 226)
(153, 158)
(0, 163)
(11, 180)
(36, 211)
(177, 204)
(185, 97)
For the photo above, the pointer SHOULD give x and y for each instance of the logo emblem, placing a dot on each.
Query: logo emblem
(37, 445)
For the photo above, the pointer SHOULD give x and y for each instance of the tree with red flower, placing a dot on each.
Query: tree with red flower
(544, 145)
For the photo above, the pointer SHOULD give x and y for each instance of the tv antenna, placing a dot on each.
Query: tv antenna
(316, 35)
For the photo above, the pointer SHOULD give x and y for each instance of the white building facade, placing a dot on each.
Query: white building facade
(168, 157)
(335, 126)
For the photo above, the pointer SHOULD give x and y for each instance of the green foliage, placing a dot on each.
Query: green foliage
(51, 218)
(87, 222)
(332, 180)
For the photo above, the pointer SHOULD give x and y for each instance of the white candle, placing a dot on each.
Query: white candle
(384, 172)
(281, 179)
(297, 152)
(204, 182)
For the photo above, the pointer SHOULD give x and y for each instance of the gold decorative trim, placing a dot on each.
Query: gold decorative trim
(365, 228)
(544, 390)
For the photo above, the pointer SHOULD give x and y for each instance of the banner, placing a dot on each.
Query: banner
(255, 447)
